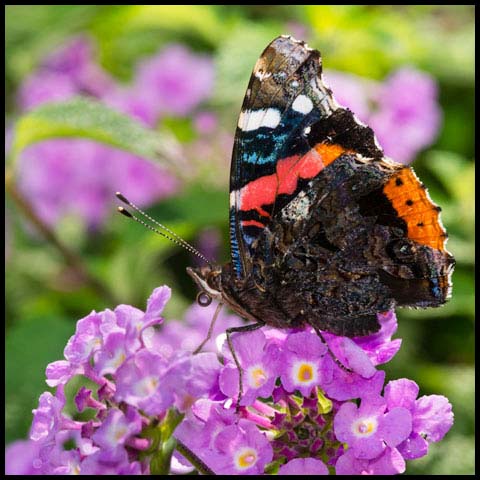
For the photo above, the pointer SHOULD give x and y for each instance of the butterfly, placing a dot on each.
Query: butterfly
(324, 229)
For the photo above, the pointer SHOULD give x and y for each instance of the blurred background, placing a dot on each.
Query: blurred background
(407, 71)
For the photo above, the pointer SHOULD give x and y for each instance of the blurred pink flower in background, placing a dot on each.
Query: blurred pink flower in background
(403, 110)
(209, 242)
(76, 61)
(44, 86)
(176, 80)
(77, 176)
(205, 122)
(74, 176)
(21, 456)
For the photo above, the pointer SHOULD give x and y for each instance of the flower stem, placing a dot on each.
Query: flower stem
(71, 258)
(193, 459)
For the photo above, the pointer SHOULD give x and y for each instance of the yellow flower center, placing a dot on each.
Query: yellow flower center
(256, 376)
(245, 458)
(120, 359)
(305, 373)
(120, 433)
(364, 427)
(147, 386)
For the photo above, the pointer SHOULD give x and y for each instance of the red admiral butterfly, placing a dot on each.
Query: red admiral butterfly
(325, 230)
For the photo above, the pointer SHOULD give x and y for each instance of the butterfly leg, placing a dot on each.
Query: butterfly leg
(334, 358)
(210, 329)
(229, 331)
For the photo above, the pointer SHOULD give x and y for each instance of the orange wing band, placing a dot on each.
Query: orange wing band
(410, 199)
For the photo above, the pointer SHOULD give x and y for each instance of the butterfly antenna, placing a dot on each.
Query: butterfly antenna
(173, 237)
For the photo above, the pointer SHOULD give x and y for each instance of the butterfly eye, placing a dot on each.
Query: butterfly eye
(204, 299)
(401, 250)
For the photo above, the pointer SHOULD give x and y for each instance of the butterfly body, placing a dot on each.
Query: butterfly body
(325, 230)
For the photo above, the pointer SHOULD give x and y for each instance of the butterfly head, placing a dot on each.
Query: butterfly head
(208, 281)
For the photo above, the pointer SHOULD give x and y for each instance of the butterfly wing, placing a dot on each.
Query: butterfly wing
(289, 129)
(324, 229)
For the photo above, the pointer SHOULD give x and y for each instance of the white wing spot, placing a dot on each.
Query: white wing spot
(233, 199)
(302, 104)
(252, 119)
(261, 75)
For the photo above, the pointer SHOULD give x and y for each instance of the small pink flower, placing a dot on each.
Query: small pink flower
(367, 429)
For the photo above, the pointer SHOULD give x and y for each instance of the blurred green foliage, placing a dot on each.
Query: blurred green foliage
(44, 298)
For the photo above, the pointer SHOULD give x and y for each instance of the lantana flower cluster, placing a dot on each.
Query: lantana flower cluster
(154, 406)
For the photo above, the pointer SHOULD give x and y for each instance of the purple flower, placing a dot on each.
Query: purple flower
(304, 466)
(48, 417)
(260, 364)
(55, 460)
(241, 449)
(113, 354)
(432, 416)
(84, 399)
(155, 305)
(142, 181)
(70, 70)
(224, 443)
(379, 346)
(367, 429)
(87, 339)
(403, 110)
(408, 106)
(303, 365)
(80, 177)
(135, 387)
(350, 355)
(75, 61)
(21, 458)
(390, 462)
(117, 428)
(65, 176)
(201, 381)
(168, 81)
(45, 86)
(60, 372)
(146, 384)
(104, 463)
(346, 386)
(202, 423)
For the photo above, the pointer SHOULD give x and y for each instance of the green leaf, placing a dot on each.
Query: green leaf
(29, 347)
(84, 118)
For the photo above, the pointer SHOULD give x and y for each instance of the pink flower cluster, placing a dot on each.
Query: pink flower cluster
(300, 412)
